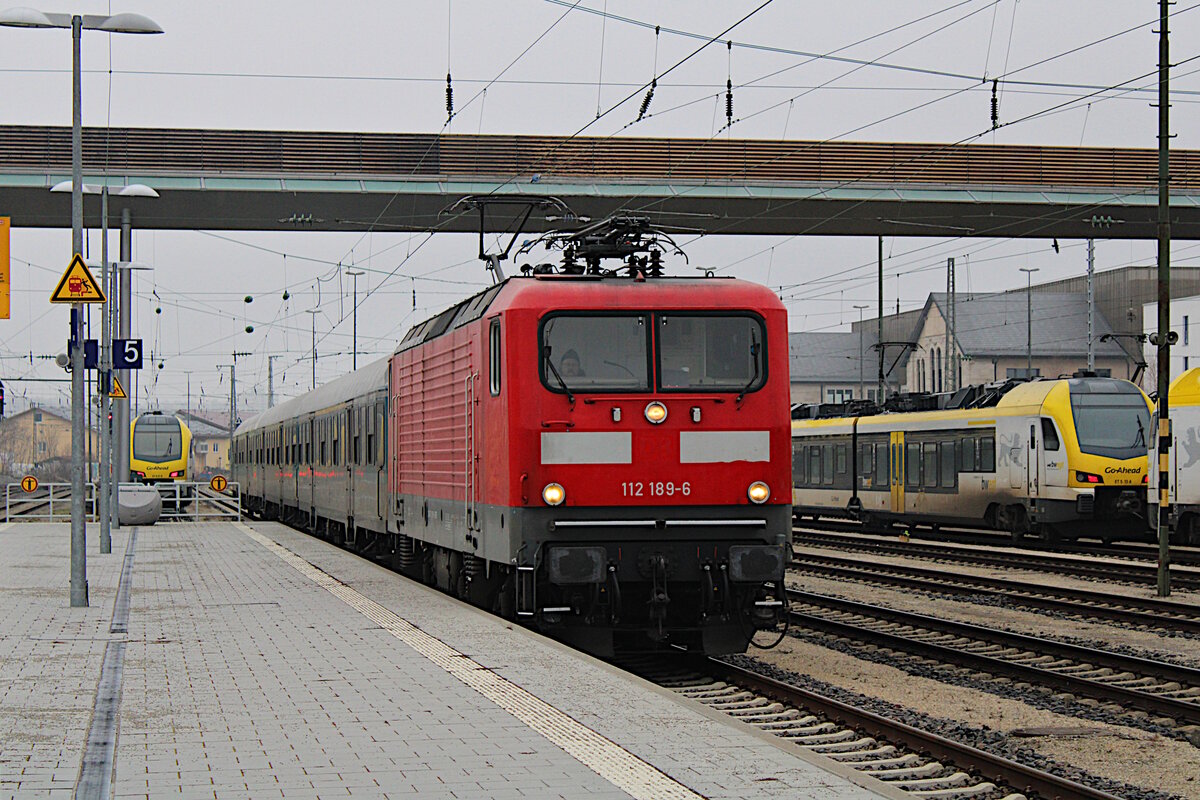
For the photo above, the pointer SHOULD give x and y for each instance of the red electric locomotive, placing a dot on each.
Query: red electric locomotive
(602, 453)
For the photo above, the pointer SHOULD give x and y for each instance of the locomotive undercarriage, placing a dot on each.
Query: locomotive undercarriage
(706, 588)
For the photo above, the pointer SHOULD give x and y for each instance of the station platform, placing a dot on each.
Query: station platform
(247, 660)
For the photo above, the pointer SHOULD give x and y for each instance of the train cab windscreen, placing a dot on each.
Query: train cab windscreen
(157, 439)
(695, 352)
(595, 352)
(1113, 423)
(699, 353)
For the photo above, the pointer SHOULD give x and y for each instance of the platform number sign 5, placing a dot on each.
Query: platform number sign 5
(127, 353)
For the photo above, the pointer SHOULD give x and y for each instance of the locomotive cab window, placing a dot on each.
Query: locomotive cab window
(1049, 435)
(711, 353)
(494, 358)
(595, 353)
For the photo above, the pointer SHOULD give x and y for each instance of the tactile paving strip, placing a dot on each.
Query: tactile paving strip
(596, 752)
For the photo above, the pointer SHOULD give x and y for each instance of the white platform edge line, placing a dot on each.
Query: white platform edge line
(596, 752)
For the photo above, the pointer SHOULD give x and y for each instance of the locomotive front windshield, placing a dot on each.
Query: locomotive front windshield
(691, 352)
(1113, 425)
(157, 439)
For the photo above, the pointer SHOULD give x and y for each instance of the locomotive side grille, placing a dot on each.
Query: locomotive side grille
(1085, 503)
(431, 421)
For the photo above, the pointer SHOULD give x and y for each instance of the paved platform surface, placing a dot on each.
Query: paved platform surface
(253, 661)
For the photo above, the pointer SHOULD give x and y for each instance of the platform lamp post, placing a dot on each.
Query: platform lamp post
(861, 395)
(354, 273)
(117, 23)
(107, 493)
(1029, 321)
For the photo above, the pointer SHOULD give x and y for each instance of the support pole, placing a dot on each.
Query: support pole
(79, 588)
(105, 489)
(1091, 256)
(121, 406)
(1164, 302)
(879, 328)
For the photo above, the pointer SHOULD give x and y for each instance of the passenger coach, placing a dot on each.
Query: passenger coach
(1061, 458)
(604, 456)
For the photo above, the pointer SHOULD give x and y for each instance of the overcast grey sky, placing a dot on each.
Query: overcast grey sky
(912, 71)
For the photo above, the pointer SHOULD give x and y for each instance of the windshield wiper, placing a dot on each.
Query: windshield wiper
(1141, 434)
(550, 364)
(754, 377)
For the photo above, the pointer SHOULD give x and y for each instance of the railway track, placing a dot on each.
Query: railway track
(1116, 571)
(916, 761)
(1123, 682)
(1147, 552)
(1150, 613)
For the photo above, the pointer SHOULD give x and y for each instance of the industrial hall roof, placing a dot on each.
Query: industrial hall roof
(350, 181)
(997, 324)
(831, 357)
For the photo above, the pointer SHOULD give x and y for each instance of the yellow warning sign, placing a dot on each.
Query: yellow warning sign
(5, 273)
(77, 285)
(29, 484)
(118, 391)
(218, 483)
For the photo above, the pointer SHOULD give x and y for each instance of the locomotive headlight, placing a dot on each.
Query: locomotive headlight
(758, 492)
(656, 412)
(554, 494)
(177, 474)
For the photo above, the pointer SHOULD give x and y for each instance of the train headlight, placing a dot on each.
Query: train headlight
(758, 492)
(177, 473)
(656, 412)
(554, 494)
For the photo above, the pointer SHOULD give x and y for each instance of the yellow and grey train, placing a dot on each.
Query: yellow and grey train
(160, 449)
(1058, 458)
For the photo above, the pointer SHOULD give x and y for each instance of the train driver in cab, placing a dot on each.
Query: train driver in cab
(569, 366)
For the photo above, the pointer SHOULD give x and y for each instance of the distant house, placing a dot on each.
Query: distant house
(38, 441)
(210, 441)
(832, 367)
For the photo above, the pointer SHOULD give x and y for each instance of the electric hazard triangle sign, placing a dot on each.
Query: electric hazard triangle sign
(118, 391)
(77, 285)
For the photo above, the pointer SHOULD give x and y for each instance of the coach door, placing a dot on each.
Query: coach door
(897, 471)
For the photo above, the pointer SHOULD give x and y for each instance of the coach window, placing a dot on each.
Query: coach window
(814, 465)
(949, 475)
(968, 454)
(912, 464)
(929, 465)
(842, 467)
(1049, 435)
(494, 358)
(798, 464)
(987, 454)
(881, 465)
(827, 465)
(866, 461)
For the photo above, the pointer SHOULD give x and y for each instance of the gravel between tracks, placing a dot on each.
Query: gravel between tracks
(1116, 752)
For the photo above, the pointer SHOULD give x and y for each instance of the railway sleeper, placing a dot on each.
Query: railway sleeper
(813, 740)
(730, 694)
(927, 770)
(768, 713)
(1134, 683)
(716, 690)
(687, 683)
(921, 785)
(787, 723)
(842, 747)
(978, 790)
(807, 730)
(758, 703)
(1184, 693)
(879, 758)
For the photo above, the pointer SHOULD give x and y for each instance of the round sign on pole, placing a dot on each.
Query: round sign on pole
(29, 483)
(218, 483)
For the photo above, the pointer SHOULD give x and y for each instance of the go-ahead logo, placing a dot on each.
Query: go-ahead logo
(1122, 471)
